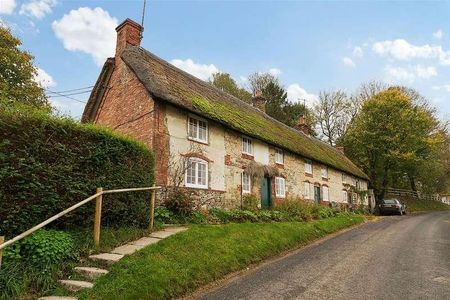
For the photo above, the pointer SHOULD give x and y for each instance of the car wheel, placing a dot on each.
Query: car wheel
(400, 212)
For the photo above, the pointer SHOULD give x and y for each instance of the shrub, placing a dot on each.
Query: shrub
(234, 215)
(297, 209)
(250, 202)
(46, 248)
(179, 203)
(163, 215)
(48, 164)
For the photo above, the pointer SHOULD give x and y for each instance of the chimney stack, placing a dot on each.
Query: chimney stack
(302, 126)
(128, 33)
(259, 101)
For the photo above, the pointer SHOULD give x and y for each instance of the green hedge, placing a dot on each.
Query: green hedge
(49, 163)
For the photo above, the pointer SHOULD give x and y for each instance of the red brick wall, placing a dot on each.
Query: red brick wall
(128, 108)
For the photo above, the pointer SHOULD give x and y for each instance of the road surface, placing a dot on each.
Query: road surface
(398, 257)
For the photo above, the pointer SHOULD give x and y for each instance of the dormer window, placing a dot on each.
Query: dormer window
(247, 146)
(279, 156)
(198, 129)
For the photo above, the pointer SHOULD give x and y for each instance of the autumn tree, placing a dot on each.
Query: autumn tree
(391, 136)
(17, 74)
(224, 82)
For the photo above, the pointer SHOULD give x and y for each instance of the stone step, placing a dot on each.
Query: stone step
(167, 232)
(76, 285)
(91, 272)
(127, 249)
(145, 241)
(108, 258)
(57, 298)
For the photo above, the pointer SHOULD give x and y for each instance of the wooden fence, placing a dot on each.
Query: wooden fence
(413, 194)
(98, 196)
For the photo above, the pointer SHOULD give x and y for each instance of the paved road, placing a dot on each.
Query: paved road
(396, 258)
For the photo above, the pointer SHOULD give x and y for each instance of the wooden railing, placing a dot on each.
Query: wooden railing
(97, 219)
(412, 194)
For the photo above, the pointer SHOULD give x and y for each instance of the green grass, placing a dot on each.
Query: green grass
(423, 205)
(204, 253)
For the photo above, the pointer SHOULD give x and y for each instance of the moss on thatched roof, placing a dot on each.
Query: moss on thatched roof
(168, 83)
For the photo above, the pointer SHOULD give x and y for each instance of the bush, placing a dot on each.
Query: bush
(297, 209)
(250, 202)
(163, 215)
(179, 203)
(48, 164)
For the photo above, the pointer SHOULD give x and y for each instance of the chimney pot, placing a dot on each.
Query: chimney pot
(259, 101)
(340, 149)
(129, 32)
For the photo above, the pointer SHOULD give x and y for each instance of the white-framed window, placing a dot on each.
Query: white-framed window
(246, 183)
(344, 196)
(196, 173)
(198, 129)
(344, 178)
(247, 146)
(324, 172)
(325, 193)
(280, 189)
(308, 167)
(279, 156)
(308, 190)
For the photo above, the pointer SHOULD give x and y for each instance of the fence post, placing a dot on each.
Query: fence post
(98, 217)
(152, 208)
(2, 240)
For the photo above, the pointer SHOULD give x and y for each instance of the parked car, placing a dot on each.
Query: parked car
(392, 206)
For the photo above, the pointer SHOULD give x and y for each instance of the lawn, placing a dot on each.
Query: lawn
(424, 205)
(186, 261)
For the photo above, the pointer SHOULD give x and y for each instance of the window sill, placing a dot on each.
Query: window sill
(325, 178)
(196, 187)
(198, 141)
(309, 175)
(248, 156)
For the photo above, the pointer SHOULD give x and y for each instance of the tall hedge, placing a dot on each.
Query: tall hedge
(49, 163)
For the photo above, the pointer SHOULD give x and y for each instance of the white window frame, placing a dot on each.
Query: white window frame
(344, 178)
(324, 172)
(280, 187)
(246, 190)
(307, 187)
(279, 156)
(344, 196)
(197, 129)
(325, 195)
(308, 167)
(247, 145)
(197, 184)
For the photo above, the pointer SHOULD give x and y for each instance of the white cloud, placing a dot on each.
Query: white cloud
(44, 79)
(347, 61)
(296, 93)
(399, 74)
(358, 52)
(275, 72)
(402, 50)
(438, 34)
(411, 73)
(91, 31)
(7, 7)
(445, 87)
(37, 8)
(204, 72)
(425, 72)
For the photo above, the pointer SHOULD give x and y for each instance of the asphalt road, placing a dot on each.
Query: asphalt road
(397, 257)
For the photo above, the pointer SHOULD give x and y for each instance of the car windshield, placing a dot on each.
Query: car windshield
(390, 201)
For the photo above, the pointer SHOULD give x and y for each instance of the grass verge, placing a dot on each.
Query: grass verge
(414, 206)
(205, 253)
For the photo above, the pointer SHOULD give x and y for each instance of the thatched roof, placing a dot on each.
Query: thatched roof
(168, 83)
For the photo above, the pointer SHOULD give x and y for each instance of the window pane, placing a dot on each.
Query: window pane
(192, 128)
(325, 193)
(201, 174)
(306, 190)
(190, 178)
(202, 130)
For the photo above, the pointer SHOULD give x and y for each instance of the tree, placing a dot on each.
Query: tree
(333, 112)
(258, 81)
(224, 82)
(391, 137)
(17, 73)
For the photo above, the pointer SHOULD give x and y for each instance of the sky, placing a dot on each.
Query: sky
(311, 46)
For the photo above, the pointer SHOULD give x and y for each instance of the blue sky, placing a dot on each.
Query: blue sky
(311, 46)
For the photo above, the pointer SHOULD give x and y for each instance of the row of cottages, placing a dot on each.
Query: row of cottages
(212, 144)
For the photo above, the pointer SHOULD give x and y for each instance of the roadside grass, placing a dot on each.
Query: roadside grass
(182, 263)
(413, 205)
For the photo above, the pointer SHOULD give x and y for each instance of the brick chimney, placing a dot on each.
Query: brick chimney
(340, 149)
(302, 126)
(259, 101)
(128, 33)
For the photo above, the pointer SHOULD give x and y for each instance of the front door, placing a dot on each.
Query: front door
(265, 192)
(317, 194)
